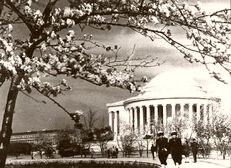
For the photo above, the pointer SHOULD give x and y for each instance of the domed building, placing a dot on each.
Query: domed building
(166, 97)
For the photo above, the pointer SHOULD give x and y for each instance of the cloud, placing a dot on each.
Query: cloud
(214, 5)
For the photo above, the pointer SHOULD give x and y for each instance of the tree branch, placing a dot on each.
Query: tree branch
(37, 101)
(20, 15)
(55, 102)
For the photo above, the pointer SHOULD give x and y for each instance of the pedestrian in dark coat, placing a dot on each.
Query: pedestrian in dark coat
(162, 148)
(153, 150)
(175, 148)
(194, 148)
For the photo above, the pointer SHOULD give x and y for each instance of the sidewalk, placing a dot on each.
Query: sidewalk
(202, 163)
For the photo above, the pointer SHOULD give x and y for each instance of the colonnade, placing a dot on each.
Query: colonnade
(142, 118)
(114, 121)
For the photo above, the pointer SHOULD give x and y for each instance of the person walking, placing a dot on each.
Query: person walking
(186, 150)
(117, 151)
(153, 150)
(162, 148)
(194, 148)
(175, 148)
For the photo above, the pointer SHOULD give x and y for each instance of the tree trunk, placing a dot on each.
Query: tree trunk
(6, 130)
(147, 148)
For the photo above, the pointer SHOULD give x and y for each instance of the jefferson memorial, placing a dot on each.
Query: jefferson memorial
(167, 96)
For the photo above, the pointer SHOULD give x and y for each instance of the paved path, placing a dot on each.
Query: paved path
(202, 163)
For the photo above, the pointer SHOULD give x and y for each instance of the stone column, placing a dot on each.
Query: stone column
(190, 112)
(182, 108)
(173, 111)
(198, 113)
(148, 119)
(203, 109)
(115, 124)
(141, 120)
(155, 113)
(135, 119)
(110, 119)
(209, 113)
(206, 114)
(164, 114)
(118, 122)
(129, 116)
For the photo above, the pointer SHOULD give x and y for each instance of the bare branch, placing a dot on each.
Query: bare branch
(55, 102)
(36, 100)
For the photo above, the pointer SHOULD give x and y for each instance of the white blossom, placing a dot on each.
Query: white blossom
(67, 12)
(38, 13)
(77, 12)
(27, 10)
(57, 11)
(154, 19)
(70, 22)
(68, 38)
(208, 21)
(40, 22)
(198, 5)
(79, 112)
(10, 27)
(27, 61)
(88, 8)
(123, 1)
(108, 9)
(71, 33)
(29, 2)
(165, 9)
(53, 35)
(43, 47)
(53, 59)
(53, 20)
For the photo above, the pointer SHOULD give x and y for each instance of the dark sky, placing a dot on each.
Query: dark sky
(32, 114)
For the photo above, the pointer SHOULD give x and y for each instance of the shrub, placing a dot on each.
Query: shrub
(19, 148)
(70, 163)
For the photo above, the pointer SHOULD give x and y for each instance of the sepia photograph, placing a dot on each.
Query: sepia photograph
(115, 83)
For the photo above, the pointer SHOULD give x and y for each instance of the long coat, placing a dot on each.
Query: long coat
(194, 147)
(186, 149)
(162, 149)
(176, 149)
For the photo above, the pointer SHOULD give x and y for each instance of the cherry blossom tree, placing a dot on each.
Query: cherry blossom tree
(143, 139)
(52, 47)
(131, 140)
(127, 139)
(221, 130)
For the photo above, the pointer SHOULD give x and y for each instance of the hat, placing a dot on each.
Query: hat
(173, 133)
(159, 133)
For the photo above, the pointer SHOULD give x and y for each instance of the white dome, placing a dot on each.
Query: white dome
(173, 84)
(171, 80)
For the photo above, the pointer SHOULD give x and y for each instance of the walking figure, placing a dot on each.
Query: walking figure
(153, 150)
(162, 148)
(175, 148)
(194, 148)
